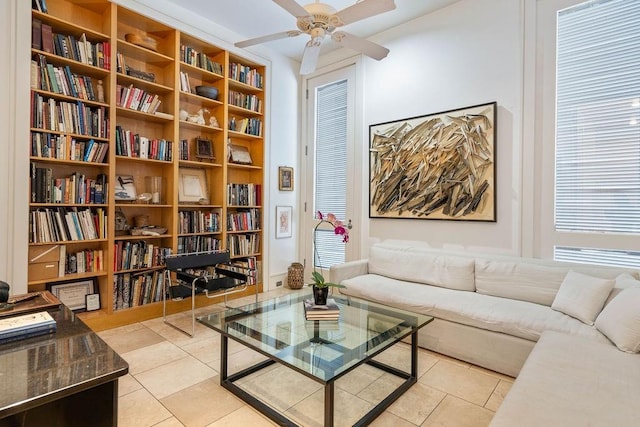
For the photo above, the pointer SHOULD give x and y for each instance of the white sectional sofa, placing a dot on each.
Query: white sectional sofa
(492, 310)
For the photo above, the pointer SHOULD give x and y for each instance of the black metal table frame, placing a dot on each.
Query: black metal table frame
(227, 381)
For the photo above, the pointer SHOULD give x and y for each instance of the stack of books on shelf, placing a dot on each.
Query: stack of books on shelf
(331, 311)
(28, 325)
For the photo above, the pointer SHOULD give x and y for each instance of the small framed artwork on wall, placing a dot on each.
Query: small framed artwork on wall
(285, 178)
(283, 221)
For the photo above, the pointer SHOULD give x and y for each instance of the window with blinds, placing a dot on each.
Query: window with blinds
(330, 186)
(597, 171)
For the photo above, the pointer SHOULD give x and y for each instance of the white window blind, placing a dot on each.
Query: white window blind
(330, 168)
(598, 120)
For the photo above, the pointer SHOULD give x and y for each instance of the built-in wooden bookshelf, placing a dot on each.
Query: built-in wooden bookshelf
(118, 124)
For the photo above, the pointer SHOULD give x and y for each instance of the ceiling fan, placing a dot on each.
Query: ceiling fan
(319, 20)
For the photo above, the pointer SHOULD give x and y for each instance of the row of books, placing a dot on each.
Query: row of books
(132, 290)
(133, 255)
(134, 98)
(185, 85)
(27, 325)
(49, 225)
(198, 59)
(330, 311)
(243, 244)
(248, 266)
(187, 244)
(131, 144)
(39, 5)
(243, 100)
(68, 46)
(49, 114)
(244, 220)
(246, 75)
(244, 194)
(84, 261)
(54, 146)
(75, 188)
(198, 222)
(61, 80)
(250, 126)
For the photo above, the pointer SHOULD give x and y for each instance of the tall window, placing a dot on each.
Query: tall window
(597, 168)
(330, 185)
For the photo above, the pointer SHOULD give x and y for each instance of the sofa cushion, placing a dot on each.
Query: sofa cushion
(518, 318)
(571, 381)
(620, 320)
(518, 279)
(623, 281)
(582, 296)
(423, 265)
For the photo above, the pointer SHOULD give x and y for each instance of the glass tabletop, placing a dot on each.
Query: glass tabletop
(320, 348)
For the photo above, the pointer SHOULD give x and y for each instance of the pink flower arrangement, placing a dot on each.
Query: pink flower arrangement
(338, 227)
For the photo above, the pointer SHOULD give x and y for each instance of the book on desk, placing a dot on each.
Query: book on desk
(25, 326)
(330, 311)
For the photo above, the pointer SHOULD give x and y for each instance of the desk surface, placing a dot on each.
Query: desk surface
(38, 370)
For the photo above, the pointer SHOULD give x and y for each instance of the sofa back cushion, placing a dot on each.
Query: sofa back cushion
(519, 280)
(423, 265)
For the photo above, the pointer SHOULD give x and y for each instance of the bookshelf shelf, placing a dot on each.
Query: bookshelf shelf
(131, 295)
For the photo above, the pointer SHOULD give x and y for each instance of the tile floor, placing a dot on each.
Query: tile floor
(173, 381)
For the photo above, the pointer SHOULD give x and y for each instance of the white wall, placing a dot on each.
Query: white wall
(466, 54)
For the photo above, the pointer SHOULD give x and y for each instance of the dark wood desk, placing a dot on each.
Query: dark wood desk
(69, 378)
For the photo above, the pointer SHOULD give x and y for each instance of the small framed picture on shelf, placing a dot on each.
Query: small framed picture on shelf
(125, 188)
(283, 221)
(192, 186)
(92, 302)
(239, 154)
(204, 149)
(285, 178)
(73, 294)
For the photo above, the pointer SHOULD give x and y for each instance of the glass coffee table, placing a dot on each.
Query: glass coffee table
(323, 350)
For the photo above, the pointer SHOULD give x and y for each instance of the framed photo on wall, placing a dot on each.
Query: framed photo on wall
(283, 221)
(285, 178)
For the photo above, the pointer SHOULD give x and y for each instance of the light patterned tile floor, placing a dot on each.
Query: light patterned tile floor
(173, 381)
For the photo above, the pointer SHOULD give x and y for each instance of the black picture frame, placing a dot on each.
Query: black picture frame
(204, 149)
(436, 166)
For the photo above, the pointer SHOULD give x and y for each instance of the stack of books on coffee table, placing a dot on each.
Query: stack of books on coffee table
(330, 311)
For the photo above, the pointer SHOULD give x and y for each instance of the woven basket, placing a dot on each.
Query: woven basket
(295, 276)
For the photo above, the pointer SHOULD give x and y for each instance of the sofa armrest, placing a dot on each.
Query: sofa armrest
(340, 272)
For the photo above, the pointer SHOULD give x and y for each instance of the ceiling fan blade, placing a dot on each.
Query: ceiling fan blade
(292, 7)
(310, 56)
(364, 9)
(264, 39)
(371, 49)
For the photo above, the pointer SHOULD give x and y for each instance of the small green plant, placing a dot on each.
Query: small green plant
(319, 282)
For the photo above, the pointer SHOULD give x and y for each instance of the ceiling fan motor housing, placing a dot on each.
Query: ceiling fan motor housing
(321, 16)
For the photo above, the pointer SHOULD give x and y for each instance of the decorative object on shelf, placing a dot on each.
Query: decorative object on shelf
(210, 92)
(295, 276)
(192, 186)
(239, 154)
(122, 227)
(438, 166)
(100, 91)
(197, 118)
(148, 230)
(285, 178)
(283, 221)
(125, 188)
(73, 294)
(204, 149)
(92, 302)
(142, 75)
(213, 122)
(154, 186)
(317, 277)
(319, 20)
(142, 40)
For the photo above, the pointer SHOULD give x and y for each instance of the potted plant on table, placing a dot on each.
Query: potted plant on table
(320, 285)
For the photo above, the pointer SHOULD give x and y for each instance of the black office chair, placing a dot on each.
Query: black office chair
(210, 273)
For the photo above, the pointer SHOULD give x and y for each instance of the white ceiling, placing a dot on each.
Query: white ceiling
(254, 18)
